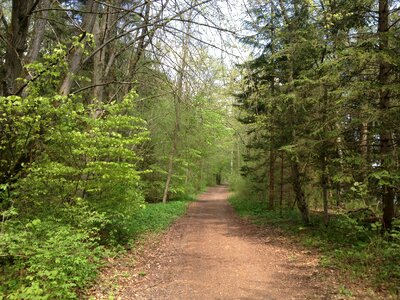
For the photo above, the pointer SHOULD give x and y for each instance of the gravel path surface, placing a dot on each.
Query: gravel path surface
(212, 254)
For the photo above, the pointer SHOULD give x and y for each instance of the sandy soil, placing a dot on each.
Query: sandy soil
(212, 254)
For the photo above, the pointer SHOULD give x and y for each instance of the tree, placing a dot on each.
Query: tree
(327, 63)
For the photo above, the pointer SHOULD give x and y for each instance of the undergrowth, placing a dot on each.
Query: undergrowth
(56, 257)
(361, 252)
(156, 217)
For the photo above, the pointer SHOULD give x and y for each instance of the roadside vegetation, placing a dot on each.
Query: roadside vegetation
(356, 250)
(54, 258)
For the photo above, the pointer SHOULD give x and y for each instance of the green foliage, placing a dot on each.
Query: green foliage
(70, 170)
(47, 259)
(203, 142)
(360, 251)
(155, 217)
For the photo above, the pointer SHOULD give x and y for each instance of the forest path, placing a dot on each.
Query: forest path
(212, 254)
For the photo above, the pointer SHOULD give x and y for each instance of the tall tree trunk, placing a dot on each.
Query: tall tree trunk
(324, 184)
(272, 153)
(324, 156)
(178, 95)
(388, 193)
(271, 175)
(295, 165)
(39, 29)
(238, 155)
(99, 59)
(77, 53)
(171, 158)
(281, 185)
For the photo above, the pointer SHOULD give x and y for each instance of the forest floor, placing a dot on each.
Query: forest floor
(211, 253)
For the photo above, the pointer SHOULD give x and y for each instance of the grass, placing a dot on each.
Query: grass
(156, 217)
(360, 252)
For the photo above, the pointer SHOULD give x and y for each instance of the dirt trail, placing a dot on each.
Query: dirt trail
(212, 254)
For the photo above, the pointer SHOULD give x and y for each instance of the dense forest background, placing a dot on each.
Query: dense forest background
(320, 101)
(107, 107)
(322, 94)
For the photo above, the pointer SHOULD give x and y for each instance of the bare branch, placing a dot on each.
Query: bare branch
(99, 84)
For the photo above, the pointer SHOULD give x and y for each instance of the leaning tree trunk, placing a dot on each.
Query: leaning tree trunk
(388, 193)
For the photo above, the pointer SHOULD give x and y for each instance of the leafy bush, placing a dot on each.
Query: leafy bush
(69, 169)
(46, 259)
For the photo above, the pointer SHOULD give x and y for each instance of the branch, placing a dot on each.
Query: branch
(120, 9)
(394, 24)
(31, 10)
(206, 25)
(100, 84)
(199, 40)
(157, 24)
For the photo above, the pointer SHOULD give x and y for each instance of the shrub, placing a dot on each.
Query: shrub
(46, 259)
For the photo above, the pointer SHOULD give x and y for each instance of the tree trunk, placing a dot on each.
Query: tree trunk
(177, 103)
(324, 156)
(271, 176)
(142, 43)
(388, 193)
(281, 185)
(299, 193)
(200, 176)
(324, 183)
(171, 161)
(98, 59)
(16, 45)
(38, 31)
(76, 55)
(364, 141)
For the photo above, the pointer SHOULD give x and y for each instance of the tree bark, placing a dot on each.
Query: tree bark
(364, 141)
(271, 176)
(16, 45)
(299, 193)
(178, 95)
(324, 184)
(39, 29)
(388, 193)
(281, 185)
(76, 55)
(324, 156)
(98, 59)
